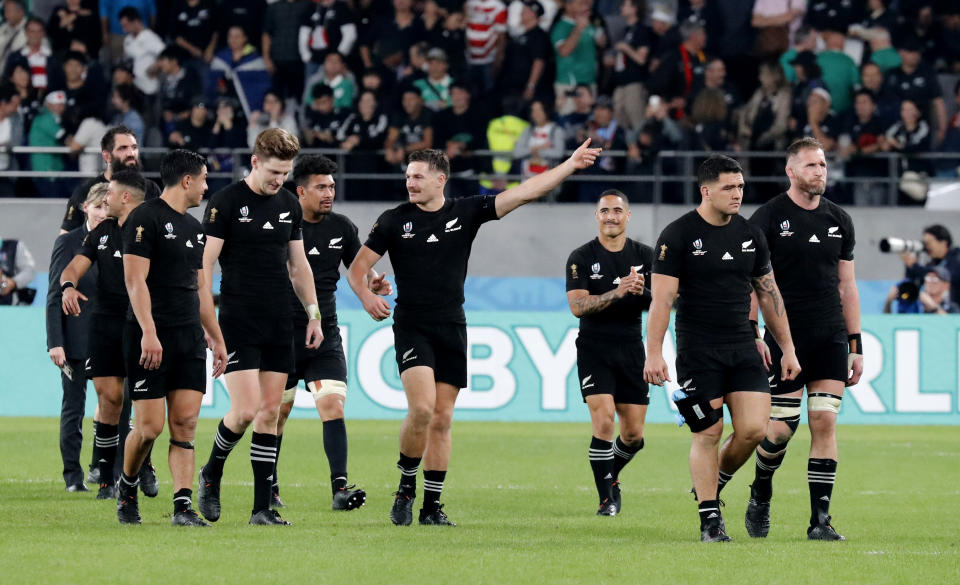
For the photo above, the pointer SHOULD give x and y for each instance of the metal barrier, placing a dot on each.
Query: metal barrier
(677, 167)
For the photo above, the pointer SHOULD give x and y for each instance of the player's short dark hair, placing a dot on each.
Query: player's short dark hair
(714, 166)
(436, 159)
(940, 232)
(130, 13)
(276, 143)
(308, 165)
(109, 139)
(179, 162)
(616, 192)
(804, 143)
(131, 181)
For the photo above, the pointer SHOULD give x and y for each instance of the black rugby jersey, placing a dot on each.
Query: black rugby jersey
(256, 231)
(716, 266)
(806, 247)
(173, 242)
(593, 268)
(429, 253)
(104, 247)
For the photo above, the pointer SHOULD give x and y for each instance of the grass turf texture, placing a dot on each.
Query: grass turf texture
(524, 498)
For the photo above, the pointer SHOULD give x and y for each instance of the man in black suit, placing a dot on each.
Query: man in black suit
(67, 338)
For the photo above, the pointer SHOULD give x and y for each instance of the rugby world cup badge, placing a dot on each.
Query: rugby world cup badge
(698, 247)
(595, 269)
(170, 235)
(244, 212)
(785, 229)
(407, 230)
(103, 242)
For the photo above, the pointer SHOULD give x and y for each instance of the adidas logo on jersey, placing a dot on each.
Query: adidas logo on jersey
(814, 239)
(268, 226)
(314, 252)
(189, 244)
(433, 238)
(727, 256)
(117, 254)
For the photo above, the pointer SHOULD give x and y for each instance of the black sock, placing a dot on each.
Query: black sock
(709, 513)
(335, 446)
(223, 442)
(105, 441)
(408, 474)
(722, 479)
(182, 500)
(601, 461)
(623, 453)
(127, 483)
(766, 467)
(275, 487)
(263, 457)
(821, 473)
(95, 455)
(432, 487)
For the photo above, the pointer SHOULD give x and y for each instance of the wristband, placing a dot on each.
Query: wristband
(855, 342)
(756, 329)
(313, 311)
(66, 285)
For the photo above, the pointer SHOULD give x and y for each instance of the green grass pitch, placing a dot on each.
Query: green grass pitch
(524, 500)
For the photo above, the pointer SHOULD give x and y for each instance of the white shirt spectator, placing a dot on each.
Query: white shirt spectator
(88, 135)
(143, 49)
(515, 28)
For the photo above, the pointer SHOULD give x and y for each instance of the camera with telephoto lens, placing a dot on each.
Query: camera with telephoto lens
(897, 245)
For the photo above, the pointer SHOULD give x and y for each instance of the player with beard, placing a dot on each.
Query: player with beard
(606, 290)
(119, 150)
(105, 366)
(811, 248)
(254, 228)
(330, 240)
(165, 332)
(709, 261)
(429, 240)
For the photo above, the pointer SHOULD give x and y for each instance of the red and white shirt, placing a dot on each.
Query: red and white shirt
(486, 21)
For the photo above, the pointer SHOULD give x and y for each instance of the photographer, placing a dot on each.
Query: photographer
(938, 245)
(17, 270)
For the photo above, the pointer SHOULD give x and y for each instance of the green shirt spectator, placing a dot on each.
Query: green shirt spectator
(886, 59)
(841, 76)
(47, 131)
(580, 65)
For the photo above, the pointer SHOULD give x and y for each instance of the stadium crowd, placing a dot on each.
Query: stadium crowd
(382, 78)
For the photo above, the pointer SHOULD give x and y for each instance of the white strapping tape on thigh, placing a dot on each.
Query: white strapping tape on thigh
(289, 395)
(823, 402)
(327, 387)
(785, 412)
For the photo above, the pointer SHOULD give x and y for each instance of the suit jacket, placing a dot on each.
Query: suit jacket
(65, 331)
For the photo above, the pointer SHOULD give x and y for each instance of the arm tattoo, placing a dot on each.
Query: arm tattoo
(767, 286)
(591, 304)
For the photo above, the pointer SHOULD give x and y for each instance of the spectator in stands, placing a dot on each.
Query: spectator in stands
(922, 28)
(950, 37)
(13, 34)
(838, 71)
(631, 68)
(935, 295)
(882, 51)
(820, 120)
(239, 70)
(17, 271)
(31, 101)
(682, 69)
(113, 33)
(451, 36)
(141, 47)
(807, 78)
(805, 41)
(72, 20)
(528, 65)
(709, 121)
(280, 46)
(715, 77)
(502, 135)
(416, 68)
(603, 132)
(916, 81)
(385, 37)
(85, 94)
(337, 77)
(574, 123)
(331, 27)
(362, 134)
(910, 135)
(68, 336)
(888, 104)
(36, 54)
(320, 122)
(878, 15)
(178, 85)
(409, 131)
(435, 87)
(87, 136)
(11, 133)
(764, 123)
(824, 14)
(575, 39)
(776, 21)
(47, 130)
(191, 28)
(659, 132)
(126, 102)
(460, 130)
(666, 38)
(541, 144)
(862, 137)
(229, 131)
(545, 16)
(486, 40)
(273, 115)
(194, 132)
(730, 38)
(247, 14)
(938, 247)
